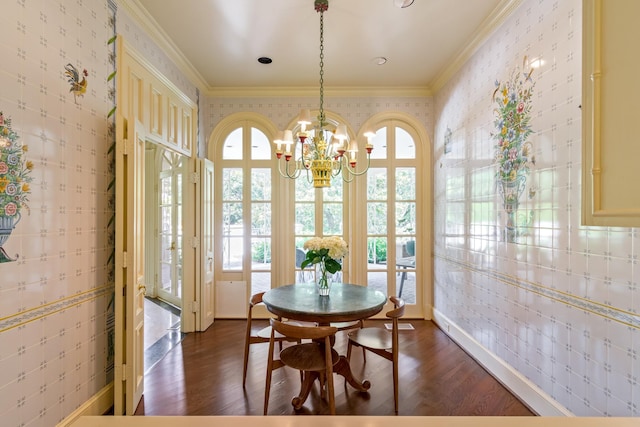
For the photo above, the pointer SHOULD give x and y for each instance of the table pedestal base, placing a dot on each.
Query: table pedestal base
(341, 368)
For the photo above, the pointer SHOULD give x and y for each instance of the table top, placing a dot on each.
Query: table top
(345, 303)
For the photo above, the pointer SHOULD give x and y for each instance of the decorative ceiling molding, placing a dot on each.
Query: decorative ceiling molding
(158, 35)
(486, 29)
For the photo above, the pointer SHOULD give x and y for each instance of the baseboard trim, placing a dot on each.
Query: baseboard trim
(529, 393)
(98, 404)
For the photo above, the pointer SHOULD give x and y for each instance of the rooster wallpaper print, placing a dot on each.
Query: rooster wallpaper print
(15, 176)
(78, 81)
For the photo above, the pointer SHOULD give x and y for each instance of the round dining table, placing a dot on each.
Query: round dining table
(345, 303)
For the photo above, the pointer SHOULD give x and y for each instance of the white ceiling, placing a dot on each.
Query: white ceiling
(219, 41)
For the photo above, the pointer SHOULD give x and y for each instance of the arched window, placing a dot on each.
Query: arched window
(395, 193)
(244, 203)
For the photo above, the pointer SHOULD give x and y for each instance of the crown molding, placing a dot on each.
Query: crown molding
(140, 16)
(486, 29)
(261, 91)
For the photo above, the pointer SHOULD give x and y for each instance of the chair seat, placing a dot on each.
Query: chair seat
(307, 357)
(372, 338)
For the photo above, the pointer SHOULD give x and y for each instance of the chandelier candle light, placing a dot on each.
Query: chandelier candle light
(325, 154)
(326, 253)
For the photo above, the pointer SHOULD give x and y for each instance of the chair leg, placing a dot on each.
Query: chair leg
(395, 385)
(267, 385)
(246, 362)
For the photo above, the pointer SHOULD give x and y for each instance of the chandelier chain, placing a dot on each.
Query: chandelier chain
(321, 114)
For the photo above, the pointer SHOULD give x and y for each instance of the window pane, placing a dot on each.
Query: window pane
(332, 219)
(260, 184)
(334, 193)
(260, 149)
(376, 218)
(405, 217)
(405, 146)
(379, 142)
(232, 149)
(377, 251)
(405, 184)
(377, 281)
(305, 219)
(377, 184)
(232, 253)
(232, 184)
(232, 219)
(260, 254)
(304, 189)
(260, 282)
(260, 219)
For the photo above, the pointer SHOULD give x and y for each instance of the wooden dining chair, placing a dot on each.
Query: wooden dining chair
(313, 359)
(262, 336)
(381, 341)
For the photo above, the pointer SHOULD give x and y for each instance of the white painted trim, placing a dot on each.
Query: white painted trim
(98, 404)
(529, 393)
(504, 9)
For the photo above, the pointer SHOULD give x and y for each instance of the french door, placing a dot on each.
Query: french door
(170, 241)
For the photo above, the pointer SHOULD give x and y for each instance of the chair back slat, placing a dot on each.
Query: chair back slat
(302, 332)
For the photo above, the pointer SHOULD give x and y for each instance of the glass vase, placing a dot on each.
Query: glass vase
(323, 279)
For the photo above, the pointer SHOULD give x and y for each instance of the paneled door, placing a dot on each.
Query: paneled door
(205, 169)
(129, 286)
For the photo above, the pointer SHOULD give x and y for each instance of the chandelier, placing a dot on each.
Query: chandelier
(323, 153)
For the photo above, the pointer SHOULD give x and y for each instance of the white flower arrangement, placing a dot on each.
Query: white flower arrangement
(325, 250)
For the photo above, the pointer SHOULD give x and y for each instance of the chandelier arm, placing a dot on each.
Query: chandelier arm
(287, 174)
(352, 171)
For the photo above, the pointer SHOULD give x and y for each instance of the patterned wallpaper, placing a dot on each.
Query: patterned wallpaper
(281, 111)
(57, 285)
(557, 301)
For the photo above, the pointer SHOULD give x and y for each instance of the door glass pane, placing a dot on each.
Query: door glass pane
(232, 149)
(232, 252)
(377, 280)
(260, 282)
(260, 149)
(405, 146)
(260, 253)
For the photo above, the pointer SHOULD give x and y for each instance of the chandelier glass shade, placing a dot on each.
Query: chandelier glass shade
(324, 153)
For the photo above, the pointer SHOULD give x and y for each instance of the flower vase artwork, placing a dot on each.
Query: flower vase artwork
(513, 150)
(326, 254)
(14, 182)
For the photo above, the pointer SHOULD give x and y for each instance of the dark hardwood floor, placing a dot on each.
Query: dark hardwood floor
(203, 376)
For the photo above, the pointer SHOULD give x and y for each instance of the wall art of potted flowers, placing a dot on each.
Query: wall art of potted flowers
(15, 177)
(513, 150)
